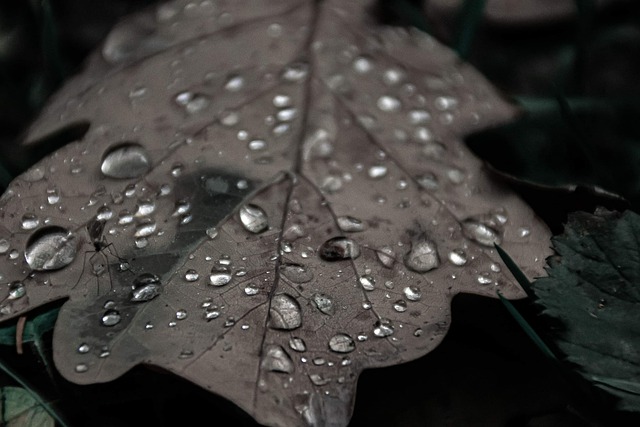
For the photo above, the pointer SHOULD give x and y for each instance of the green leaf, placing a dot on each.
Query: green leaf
(34, 328)
(18, 408)
(593, 288)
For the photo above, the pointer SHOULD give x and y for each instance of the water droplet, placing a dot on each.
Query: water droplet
(83, 348)
(495, 268)
(523, 232)
(145, 229)
(276, 359)
(51, 248)
(428, 181)
(281, 101)
(388, 104)
(181, 314)
(456, 176)
(417, 117)
(53, 196)
(145, 287)
(481, 233)
(211, 313)
(484, 279)
(338, 249)
(377, 171)
(324, 303)
(29, 221)
(219, 278)
(212, 232)
(191, 275)
(253, 218)
(400, 306)
(192, 103)
(319, 380)
(126, 161)
(444, 103)
(17, 290)
(458, 257)
(383, 328)
(257, 145)
(234, 83)
(287, 114)
(81, 368)
(110, 318)
(295, 72)
(386, 256)
(297, 344)
(393, 76)
(412, 293)
(349, 224)
(284, 312)
(296, 273)
(4, 246)
(362, 65)
(251, 289)
(422, 257)
(367, 283)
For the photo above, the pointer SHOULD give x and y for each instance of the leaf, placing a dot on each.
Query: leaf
(268, 200)
(34, 328)
(593, 289)
(19, 408)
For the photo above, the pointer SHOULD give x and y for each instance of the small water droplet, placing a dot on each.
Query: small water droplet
(17, 290)
(495, 268)
(181, 314)
(362, 65)
(412, 293)
(192, 103)
(400, 306)
(51, 248)
(422, 257)
(484, 279)
(481, 233)
(417, 117)
(276, 359)
(458, 257)
(145, 229)
(234, 83)
(349, 224)
(324, 303)
(53, 196)
(523, 232)
(319, 380)
(125, 161)
(295, 72)
(191, 275)
(377, 171)
(444, 103)
(83, 348)
(212, 232)
(367, 283)
(110, 318)
(284, 312)
(383, 328)
(4, 246)
(257, 145)
(281, 101)
(146, 287)
(287, 114)
(81, 368)
(251, 289)
(387, 256)
(219, 278)
(393, 76)
(297, 344)
(296, 273)
(388, 104)
(211, 313)
(338, 249)
(253, 218)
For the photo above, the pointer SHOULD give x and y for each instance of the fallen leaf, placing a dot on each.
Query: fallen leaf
(593, 289)
(269, 198)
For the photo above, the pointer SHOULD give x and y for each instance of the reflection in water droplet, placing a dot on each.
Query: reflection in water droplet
(383, 328)
(367, 283)
(481, 233)
(145, 287)
(253, 218)
(297, 344)
(422, 257)
(458, 257)
(338, 249)
(386, 256)
(50, 249)
(412, 293)
(17, 290)
(324, 303)
(284, 313)
(349, 224)
(276, 359)
(219, 278)
(125, 161)
(296, 273)
(110, 318)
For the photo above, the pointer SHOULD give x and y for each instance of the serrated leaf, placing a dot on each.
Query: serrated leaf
(271, 197)
(593, 288)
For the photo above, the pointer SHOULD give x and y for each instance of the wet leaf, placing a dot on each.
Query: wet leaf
(19, 408)
(593, 288)
(269, 199)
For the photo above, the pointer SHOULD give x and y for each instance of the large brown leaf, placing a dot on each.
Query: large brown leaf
(270, 198)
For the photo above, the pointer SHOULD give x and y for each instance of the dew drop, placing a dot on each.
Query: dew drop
(342, 343)
(125, 161)
(367, 283)
(481, 233)
(422, 257)
(295, 72)
(484, 279)
(51, 248)
(377, 171)
(284, 312)
(412, 293)
(276, 359)
(192, 103)
(339, 249)
(83, 348)
(383, 328)
(251, 289)
(191, 275)
(219, 278)
(387, 256)
(181, 314)
(297, 344)
(400, 306)
(81, 368)
(17, 290)
(296, 273)
(234, 83)
(29, 221)
(324, 304)
(253, 218)
(146, 287)
(388, 104)
(110, 318)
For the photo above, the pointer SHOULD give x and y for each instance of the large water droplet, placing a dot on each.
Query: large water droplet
(110, 318)
(296, 273)
(324, 303)
(422, 257)
(276, 359)
(349, 224)
(219, 278)
(253, 218)
(342, 343)
(338, 249)
(50, 249)
(145, 287)
(284, 312)
(125, 161)
(481, 233)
